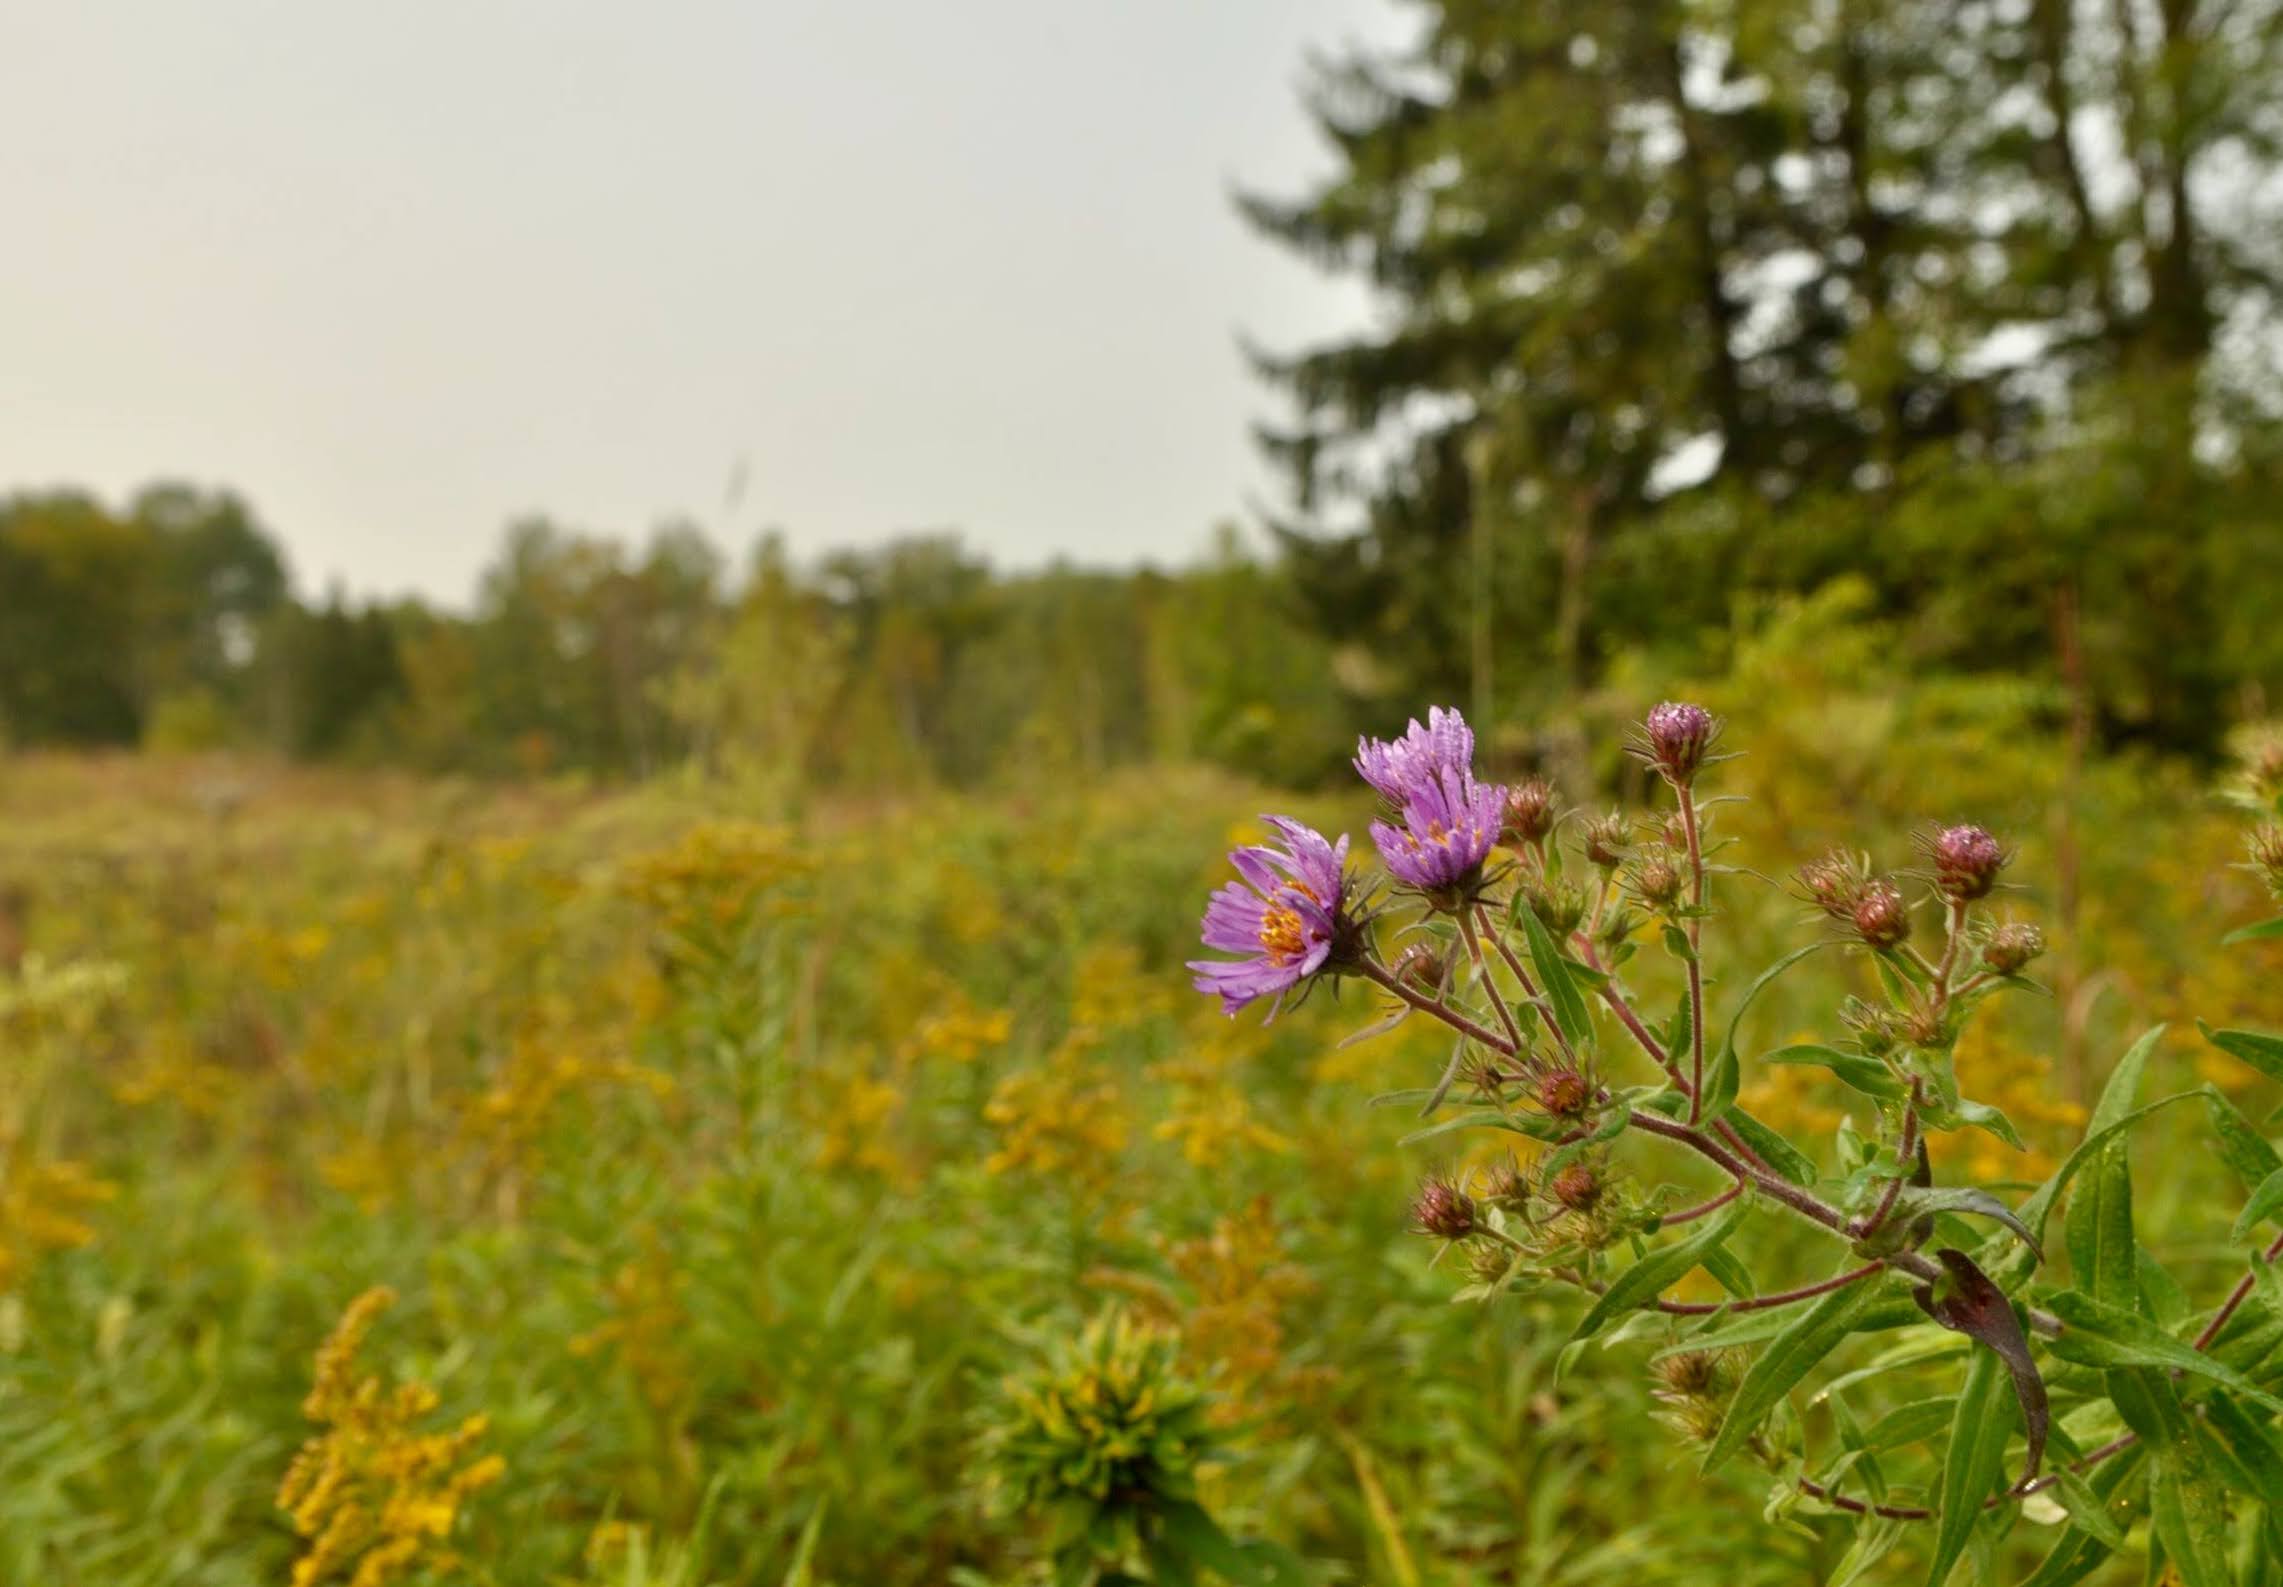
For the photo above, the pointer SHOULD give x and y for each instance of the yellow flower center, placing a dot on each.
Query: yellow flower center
(1281, 935)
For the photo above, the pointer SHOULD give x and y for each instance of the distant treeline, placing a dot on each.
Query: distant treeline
(172, 624)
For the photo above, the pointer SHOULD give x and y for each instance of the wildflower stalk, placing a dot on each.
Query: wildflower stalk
(1695, 941)
(2236, 1297)
(1379, 975)
(1489, 981)
(1956, 930)
(1782, 1297)
(1807, 1204)
(1530, 991)
(1905, 1153)
(1691, 1214)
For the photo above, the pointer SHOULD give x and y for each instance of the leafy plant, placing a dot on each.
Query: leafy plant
(2112, 1396)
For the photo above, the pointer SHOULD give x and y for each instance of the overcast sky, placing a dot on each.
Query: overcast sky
(399, 273)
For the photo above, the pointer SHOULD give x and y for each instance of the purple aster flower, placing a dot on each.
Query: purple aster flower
(1396, 766)
(1450, 824)
(1284, 915)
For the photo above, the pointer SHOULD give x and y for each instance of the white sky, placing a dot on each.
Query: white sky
(398, 273)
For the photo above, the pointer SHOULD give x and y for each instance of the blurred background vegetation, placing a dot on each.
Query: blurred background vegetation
(736, 1005)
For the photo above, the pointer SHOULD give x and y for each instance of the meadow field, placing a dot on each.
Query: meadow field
(707, 1163)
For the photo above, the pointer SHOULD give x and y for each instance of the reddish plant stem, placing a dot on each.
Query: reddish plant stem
(1489, 981)
(1695, 955)
(1379, 975)
(1912, 1512)
(1625, 1015)
(1956, 930)
(1691, 1214)
(1908, 1152)
(1692, 1308)
(1807, 1204)
(1529, 987)
(1656, 1051)
(2236, 1297)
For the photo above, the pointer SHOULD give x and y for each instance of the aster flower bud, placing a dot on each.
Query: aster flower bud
(1966, 861)
(1577, 1188)
(1530, 812)
(1876, 1031)
(1655, 879)
(1444, 1210)
(1693, 1386)
(2011, 946)
(2267, 857)
(1420, 968)
(1560, 907)
(1563, 1092)
(1484, 1077)
(1488, 1261)
(1674, 738)
(1505, 1185)
(2263, 764)
(1617, 925)
(1695, 1374)
(1925, 1024)
(1834, 884)
(1606, 840)
(1880, 916)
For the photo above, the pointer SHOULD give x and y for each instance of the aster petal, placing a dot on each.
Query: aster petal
(1257, 866)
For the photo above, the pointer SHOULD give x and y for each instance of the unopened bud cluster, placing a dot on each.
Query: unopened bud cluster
(1693, 1387)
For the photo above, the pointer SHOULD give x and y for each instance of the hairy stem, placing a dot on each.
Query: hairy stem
(1807, 1204)
(1784, 1297)
(1907, 1153)
(1691, 1214)
(1489, 981)
(1695, 955)
(1379, 975)
(2236, 1297)
(1529, 987)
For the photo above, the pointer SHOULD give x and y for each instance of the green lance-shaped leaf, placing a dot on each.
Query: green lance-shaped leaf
(1188, 1535)
(1866, 1075)
(2247, 1153)
(1778, 1153)
(2080, 1551)
(1907, 1424)
(1913, 1203)
(1788, 1359)
(2263, 931)
(2099, 1230)
(2188, 1508)
(1724, 1074)
(1972, 1470)
(2265, 1202)
(1556, 981)
(2123, 1088)
(2039, 1206)
(2098, 1335)
(1647, 1278)
(2244, 1448)
(2256, 1048)
(1538, 1126)
(2086, 1508)
(1968, 1302)
(1986, 1118)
